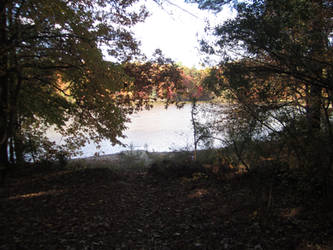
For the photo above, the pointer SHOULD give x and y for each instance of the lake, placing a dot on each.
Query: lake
(158, 129)
(155, 130)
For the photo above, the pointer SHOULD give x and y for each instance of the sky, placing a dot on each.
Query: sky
(176, 29)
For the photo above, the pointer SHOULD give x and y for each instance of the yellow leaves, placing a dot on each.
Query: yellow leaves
(62, 86)
(195, 177)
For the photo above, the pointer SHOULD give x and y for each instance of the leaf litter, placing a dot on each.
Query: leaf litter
(101, 209)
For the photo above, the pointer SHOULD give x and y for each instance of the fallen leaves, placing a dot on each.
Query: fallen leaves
(97, 209)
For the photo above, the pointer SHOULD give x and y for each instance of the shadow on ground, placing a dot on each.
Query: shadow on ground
(103, 209)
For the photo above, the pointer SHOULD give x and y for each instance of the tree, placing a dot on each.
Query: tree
(193, 92)
(157, 79)
(52, 71)
(278, 54)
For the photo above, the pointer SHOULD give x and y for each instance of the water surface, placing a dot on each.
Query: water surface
(158, 130)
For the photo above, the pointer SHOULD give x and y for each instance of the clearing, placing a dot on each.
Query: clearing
(59, 208)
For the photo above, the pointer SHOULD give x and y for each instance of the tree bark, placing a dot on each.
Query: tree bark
(314, 110)
(318, 44)
(194, 125)
(4, 88)
(19, 149)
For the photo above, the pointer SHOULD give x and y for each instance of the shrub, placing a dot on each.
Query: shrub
(167, 168)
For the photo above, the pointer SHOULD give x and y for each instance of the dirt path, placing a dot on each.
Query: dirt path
(100, 209)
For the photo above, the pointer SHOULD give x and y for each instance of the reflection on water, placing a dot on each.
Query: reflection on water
(162, 130)
(158, 129)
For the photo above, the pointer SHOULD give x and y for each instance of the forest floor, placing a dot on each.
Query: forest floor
(102, 208)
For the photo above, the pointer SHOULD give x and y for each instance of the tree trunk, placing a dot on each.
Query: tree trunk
(318, 49)
(314, 128)
(194, 125)
(4, 90)
(314, 110)
(19, 148)
(4, 153)
(10, 84)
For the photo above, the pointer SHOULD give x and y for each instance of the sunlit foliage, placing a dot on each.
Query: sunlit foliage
(52, 73)
(276, 68)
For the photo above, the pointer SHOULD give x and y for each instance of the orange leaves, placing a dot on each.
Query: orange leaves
(192, 80)
(152, 80)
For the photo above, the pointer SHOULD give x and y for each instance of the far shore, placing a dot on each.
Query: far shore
(142, 156)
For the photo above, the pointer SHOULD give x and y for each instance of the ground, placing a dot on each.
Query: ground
(62, 208)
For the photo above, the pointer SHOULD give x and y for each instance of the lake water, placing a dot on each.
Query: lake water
(158, 130)
(154, 130)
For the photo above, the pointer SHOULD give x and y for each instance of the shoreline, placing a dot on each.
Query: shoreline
(143, 157)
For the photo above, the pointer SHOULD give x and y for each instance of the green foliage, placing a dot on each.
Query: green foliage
(52, 67)
(276, 73)
(134, 159)
(52, 73)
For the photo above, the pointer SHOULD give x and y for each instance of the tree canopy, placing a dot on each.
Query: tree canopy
(52, 72)
(276, 55)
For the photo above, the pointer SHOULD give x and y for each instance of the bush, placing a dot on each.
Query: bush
(174, 169)
(62, 158)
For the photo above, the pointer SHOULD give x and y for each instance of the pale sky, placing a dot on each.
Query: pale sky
(176, 31)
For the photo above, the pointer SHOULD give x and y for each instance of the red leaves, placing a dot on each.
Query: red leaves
(150, 81)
